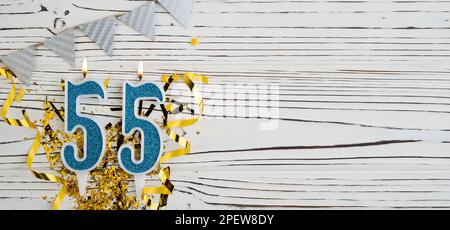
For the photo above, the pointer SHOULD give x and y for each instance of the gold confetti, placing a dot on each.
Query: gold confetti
(194, 41)
(109, 187)
(106, 82)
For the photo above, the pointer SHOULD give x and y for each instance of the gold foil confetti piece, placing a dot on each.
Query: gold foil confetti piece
(62, 84)
(194, 41)
(58, 113)
(106, 82)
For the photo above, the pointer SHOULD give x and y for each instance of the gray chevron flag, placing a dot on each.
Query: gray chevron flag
(179, 9)
(142, 20)
(102, 32)
(21, 63)
(63, 44)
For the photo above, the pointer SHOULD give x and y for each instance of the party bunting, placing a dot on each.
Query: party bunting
(179, 9)
(21, 63)
(63, 45)
(102, 32)
(142, 20)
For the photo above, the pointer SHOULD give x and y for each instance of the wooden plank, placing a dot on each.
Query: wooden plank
(362, 97)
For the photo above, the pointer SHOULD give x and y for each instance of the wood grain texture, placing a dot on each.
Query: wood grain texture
(363, 108)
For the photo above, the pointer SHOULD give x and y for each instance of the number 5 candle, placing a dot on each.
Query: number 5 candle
(150, 136)
(94, 144)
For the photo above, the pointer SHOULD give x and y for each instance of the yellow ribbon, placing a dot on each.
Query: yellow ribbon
(26, 122)
(164, 174)
(188, 79)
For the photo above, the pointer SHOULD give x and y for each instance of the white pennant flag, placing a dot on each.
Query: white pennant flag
(142, 19)
(179, 9)
(63, 44)
(102, 32)
(21, 63)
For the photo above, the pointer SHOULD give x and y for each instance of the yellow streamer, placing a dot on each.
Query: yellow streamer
(25, 122)
(164, 174)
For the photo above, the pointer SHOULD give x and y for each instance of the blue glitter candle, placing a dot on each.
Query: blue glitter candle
(150, 137)
(94, 143)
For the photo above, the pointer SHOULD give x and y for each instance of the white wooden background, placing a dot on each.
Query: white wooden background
(364, 111)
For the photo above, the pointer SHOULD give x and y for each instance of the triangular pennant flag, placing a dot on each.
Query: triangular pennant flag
(63, 45)
(179, 9)
(21, 63)
(142, 19)
(102, 32)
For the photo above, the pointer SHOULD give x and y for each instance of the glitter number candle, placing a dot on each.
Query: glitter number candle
(151, 139)
(94, 144)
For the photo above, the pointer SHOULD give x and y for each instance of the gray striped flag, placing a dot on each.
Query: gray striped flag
(102, 32)
(63, 44)
(179, 9)
(21, 63)
(142, 20)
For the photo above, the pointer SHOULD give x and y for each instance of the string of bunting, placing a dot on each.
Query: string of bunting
(101, 32)
(51, 140)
